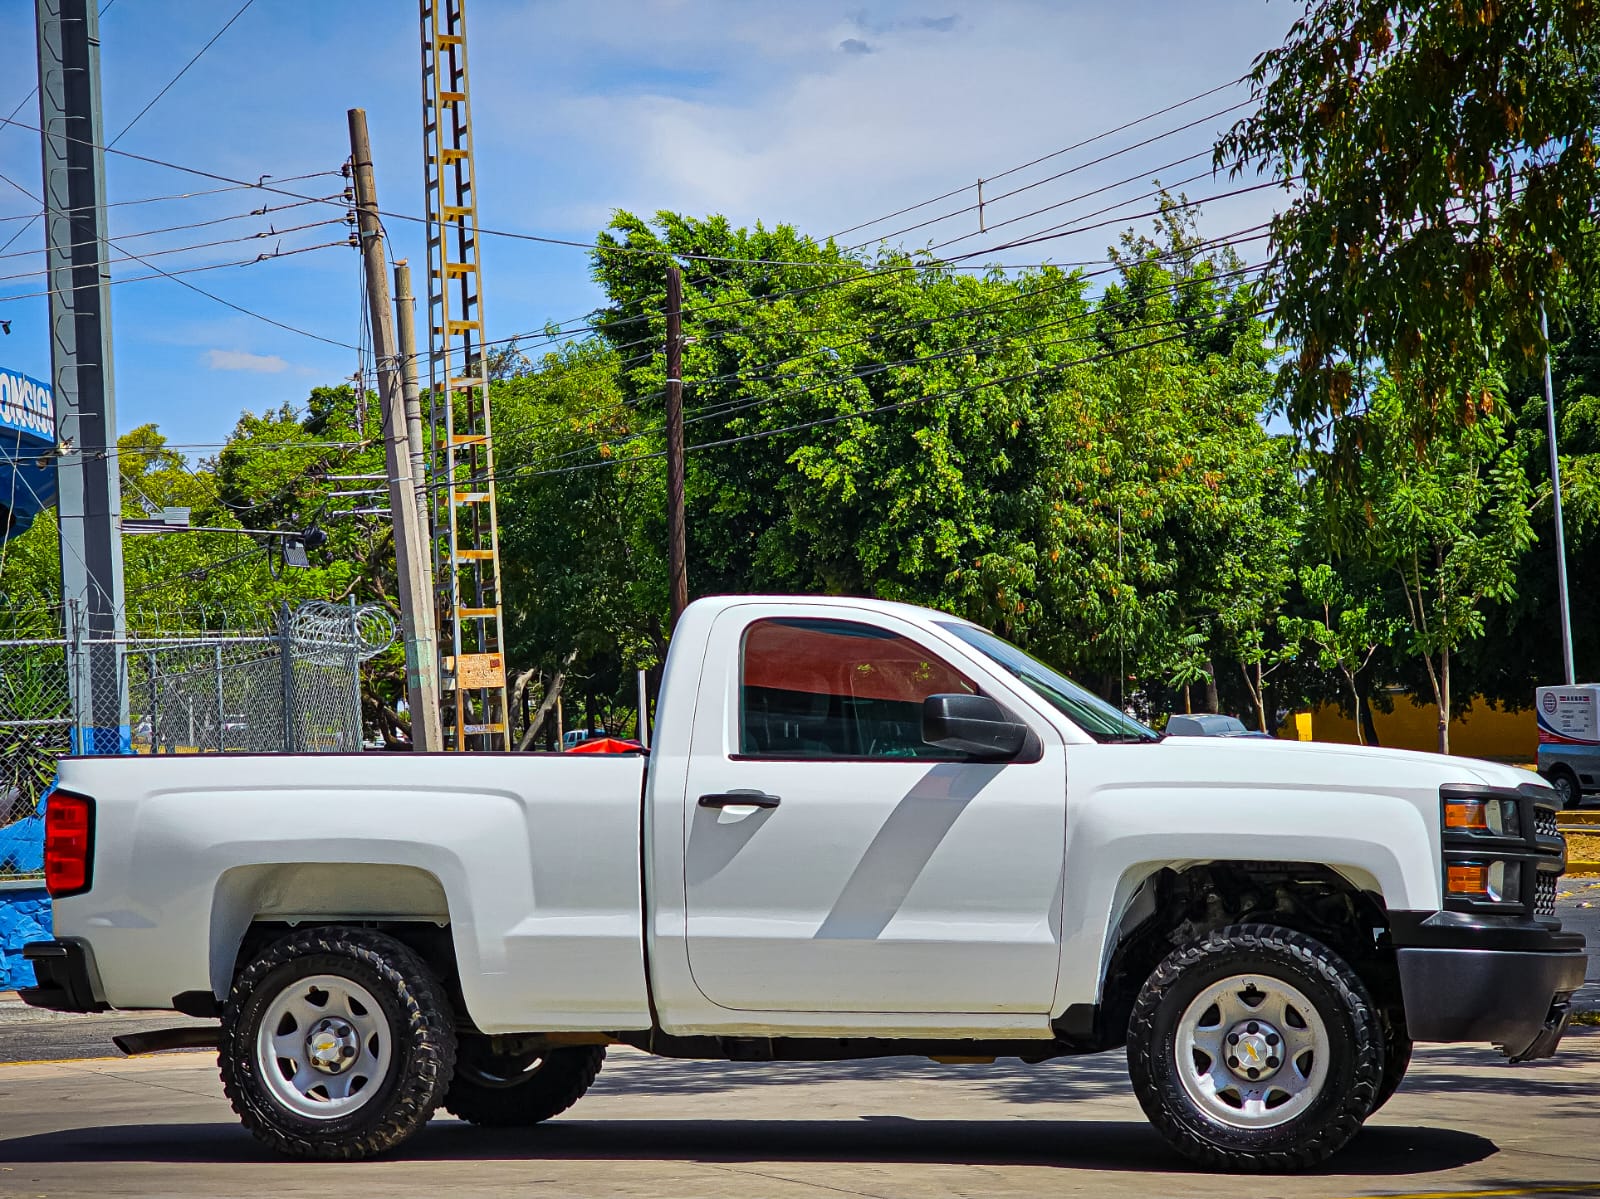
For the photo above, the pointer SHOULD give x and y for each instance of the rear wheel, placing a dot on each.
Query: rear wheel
(1256, 1048)
(337, 1043)
(509, 1090)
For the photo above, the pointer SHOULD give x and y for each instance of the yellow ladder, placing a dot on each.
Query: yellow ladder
(466, 526)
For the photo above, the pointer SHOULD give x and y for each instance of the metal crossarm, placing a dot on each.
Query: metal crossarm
(466, 530)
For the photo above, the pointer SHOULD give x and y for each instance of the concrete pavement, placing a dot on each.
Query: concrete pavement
(1464, 1124)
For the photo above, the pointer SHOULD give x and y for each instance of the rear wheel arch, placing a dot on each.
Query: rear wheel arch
(256, 904)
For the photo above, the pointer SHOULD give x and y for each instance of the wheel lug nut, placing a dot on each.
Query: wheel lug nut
(1252, 1027)
(1233, 1062)
(1272, 1038)
(1233, 1038)
(1272, 1062)
(1253, 1072)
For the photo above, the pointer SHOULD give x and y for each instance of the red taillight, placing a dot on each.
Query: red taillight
(68, 827)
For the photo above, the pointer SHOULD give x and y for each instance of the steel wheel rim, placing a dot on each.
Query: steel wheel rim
(499, 1071)
(303, 1045)
(1224, 1092)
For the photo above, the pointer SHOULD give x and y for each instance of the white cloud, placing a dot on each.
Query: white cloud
(240, 360)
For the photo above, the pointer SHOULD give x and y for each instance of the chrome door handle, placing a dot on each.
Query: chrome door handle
(739, 799)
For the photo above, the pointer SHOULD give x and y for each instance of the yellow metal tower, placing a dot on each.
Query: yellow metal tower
(466, 528)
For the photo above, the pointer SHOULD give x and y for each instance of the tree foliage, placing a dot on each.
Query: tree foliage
(1443, 174)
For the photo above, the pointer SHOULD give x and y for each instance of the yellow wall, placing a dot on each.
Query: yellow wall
(1483, 731)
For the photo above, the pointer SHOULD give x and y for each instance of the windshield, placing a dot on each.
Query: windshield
(1102, 721)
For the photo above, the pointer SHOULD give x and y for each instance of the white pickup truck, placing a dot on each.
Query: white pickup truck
(865, 829)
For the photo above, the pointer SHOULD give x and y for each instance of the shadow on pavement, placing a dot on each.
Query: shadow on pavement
(1080, 1145)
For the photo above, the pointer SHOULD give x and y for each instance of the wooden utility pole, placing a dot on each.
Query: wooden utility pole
(405, 324)
(677, 552)
(416, 599)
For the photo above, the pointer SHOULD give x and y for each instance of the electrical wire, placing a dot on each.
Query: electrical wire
(208, 245)
(1082, 166)
(221, 220)
(872, 370)
(210, 191)
(1033, 162)
(191, 270)
(182, 71)
(1052, 368)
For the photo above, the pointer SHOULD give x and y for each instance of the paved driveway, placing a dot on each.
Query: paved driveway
(1464, 1124)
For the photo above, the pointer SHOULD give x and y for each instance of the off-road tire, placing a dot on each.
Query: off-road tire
(557, 1082)
(1396, 1059)
(421, 1024)
(1355, 1034)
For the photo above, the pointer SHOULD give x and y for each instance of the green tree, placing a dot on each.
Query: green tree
(1442, 175)
(1447, 520)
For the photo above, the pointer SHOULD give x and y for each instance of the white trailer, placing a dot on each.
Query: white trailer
(1569, 739)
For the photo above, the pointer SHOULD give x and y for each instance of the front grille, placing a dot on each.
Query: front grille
(1544, 895)
(1544, 823)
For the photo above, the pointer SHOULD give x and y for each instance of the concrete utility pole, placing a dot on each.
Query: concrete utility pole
(677, 542)
(405, 323)
(410, 551)
(90, 502)
(1555, 482)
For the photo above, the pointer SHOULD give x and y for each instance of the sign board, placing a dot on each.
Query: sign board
(1567, 715)
(27, 441)
(26, 407)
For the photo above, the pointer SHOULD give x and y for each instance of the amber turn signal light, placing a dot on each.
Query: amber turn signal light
(1468, 881)
(1467, 814)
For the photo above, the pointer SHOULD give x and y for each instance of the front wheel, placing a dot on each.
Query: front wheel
(337, 1043)
(1566, 787)
(1256, 1048)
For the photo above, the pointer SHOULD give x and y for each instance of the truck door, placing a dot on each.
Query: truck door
(834, 862)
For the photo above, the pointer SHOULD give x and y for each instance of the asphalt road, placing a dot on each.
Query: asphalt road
(1464, 1124)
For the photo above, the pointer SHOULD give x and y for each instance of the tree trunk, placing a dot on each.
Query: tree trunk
(1444, 702)
(552, 697)
(1213, 703)
(1355, 706)
(1188, 707)
(1252, 689)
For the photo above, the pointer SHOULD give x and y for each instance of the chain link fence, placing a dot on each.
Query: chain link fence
(295, 688)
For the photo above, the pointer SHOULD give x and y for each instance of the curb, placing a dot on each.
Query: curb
(1582, 827)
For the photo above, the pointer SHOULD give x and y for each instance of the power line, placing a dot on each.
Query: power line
(192, 270)
(1033, 162)
(1226, 241)
(182, 71)
(194, 195)
(265, 210)
(208, 245)
(1082, 166)
(1052, 368)
(872, 370)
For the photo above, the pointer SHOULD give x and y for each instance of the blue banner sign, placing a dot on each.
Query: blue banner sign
(27, 441)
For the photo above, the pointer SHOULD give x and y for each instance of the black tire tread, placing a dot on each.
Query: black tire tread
(561, 1080)
(1396, 1059)
(1314, 958)
(429, 1029)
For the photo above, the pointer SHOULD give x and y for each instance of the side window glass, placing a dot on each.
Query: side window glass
(837, 689)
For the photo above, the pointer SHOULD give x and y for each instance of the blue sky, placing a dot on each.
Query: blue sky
(816, 114)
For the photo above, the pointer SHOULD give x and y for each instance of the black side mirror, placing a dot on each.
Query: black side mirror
(974, 725)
